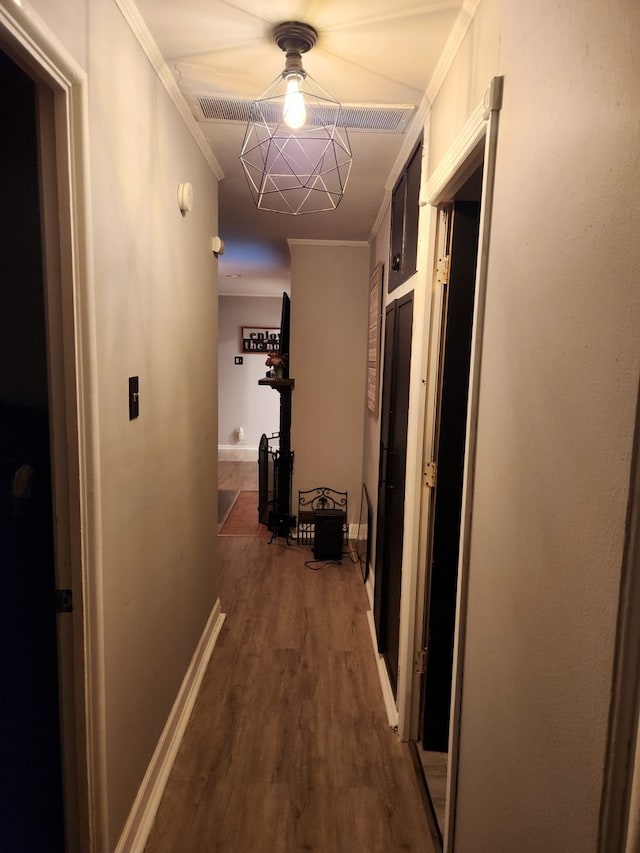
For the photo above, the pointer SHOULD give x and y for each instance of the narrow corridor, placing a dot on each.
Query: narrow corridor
(288, 747)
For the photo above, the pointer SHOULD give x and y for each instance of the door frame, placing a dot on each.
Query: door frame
(62, 98)
(382, 567)
(619, 820)
(476, 141)
(454, 291)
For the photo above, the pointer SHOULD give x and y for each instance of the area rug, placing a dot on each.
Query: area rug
(242, 519)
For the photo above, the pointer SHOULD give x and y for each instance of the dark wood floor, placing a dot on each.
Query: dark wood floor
(288, 747)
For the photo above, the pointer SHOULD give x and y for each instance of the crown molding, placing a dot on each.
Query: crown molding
(451, 48)
(447, 57)
(422, 115)
(140, 30)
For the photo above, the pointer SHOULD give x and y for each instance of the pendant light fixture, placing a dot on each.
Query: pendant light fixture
(296, 156)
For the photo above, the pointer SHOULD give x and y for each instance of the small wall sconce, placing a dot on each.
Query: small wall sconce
(217, 246)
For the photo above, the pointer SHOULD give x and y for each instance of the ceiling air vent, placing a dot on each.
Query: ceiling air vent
(377, 118)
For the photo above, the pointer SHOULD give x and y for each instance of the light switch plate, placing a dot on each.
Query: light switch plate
(134, 397)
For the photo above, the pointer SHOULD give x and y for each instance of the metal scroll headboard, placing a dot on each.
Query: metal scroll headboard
(320, 498)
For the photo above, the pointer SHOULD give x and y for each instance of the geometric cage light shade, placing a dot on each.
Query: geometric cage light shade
(295, 154)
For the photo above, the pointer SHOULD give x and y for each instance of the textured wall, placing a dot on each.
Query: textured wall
(156, 318)
(557, 401)
(329, 298)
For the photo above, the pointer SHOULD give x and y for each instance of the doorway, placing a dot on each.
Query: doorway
(33, 805)
(459, 225)
(391, 480)
(66, 356)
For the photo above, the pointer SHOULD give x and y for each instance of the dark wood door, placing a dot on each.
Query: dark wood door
(391, 481)
(405, 204)
(452, 433)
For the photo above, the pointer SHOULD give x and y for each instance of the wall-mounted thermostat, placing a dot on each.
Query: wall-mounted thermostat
(185, 197)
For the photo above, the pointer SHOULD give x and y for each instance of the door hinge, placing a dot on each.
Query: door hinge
(64, 601)
(442, 270)
(420, 662)
(430, 472)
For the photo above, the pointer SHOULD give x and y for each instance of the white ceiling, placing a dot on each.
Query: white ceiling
(378, 52)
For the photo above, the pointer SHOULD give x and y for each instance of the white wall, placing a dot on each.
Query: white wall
(559, 383)
(329, 304)
(156, 318)
(557, 400)
(242, 402)
(156, 303)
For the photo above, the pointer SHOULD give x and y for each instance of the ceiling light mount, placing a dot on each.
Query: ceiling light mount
(296, 154)
(295, 37)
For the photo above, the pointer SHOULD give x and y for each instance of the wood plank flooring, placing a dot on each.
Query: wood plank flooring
(237, 475)
(288, 748)
(434, 765)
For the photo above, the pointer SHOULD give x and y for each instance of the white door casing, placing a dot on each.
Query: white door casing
(61, 86)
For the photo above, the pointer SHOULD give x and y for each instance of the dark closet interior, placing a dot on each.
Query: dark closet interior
(451, 441)
(32, 806)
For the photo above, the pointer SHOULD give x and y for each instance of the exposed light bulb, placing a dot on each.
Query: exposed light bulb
(294, 113)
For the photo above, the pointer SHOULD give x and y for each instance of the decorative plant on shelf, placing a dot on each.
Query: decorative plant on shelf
(277, 363)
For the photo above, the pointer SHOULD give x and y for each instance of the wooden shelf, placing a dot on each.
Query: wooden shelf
(278, 384)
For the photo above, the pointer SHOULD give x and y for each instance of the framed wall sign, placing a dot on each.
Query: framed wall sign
(260, 340)
(373, 346)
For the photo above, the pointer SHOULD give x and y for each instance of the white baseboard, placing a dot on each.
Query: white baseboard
(358, 532)
(383, 675)
(369, 586)
(233, 453)
(143, 812)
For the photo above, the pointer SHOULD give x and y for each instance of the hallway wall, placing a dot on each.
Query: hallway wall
(329, 299)
(559, 382)
(156, 318)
